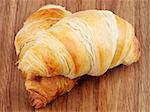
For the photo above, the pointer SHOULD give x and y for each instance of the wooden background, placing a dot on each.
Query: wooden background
(123, 89)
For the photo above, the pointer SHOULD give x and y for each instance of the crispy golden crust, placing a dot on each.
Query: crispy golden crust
(53, 51)
(43, 90)
(128, 48)
(134, 53)
(42, 19)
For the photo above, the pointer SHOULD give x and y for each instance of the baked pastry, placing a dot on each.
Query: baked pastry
(56, 47)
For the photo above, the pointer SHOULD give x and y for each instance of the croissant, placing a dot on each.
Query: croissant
(55, 48)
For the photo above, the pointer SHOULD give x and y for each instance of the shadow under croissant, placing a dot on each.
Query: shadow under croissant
(43, 90)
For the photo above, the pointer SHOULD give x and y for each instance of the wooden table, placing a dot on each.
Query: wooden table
(123, 89)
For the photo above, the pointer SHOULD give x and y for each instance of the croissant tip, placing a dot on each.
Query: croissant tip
(36, 100)
(137, 50)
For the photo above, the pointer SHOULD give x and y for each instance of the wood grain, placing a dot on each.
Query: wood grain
(123, 89)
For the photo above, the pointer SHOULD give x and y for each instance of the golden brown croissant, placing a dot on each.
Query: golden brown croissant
(56, 47)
